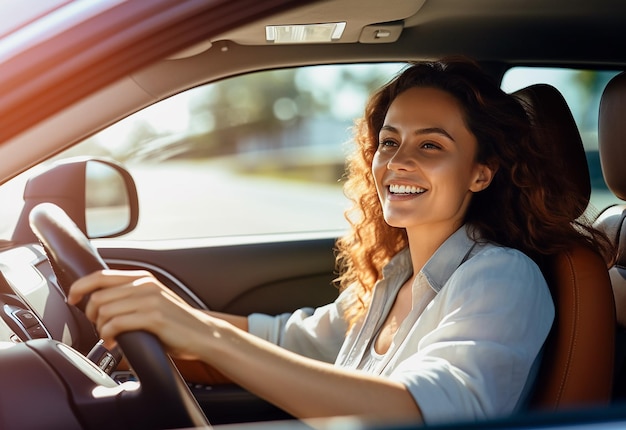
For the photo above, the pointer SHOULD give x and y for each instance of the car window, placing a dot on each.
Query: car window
(582, 89)
(254, 154)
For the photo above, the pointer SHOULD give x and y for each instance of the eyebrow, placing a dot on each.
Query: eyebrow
(427, 130)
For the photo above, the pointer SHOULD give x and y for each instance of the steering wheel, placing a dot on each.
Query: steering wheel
(163, 396)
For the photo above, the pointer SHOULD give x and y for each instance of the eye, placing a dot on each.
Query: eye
(386, 143)
(430, 145)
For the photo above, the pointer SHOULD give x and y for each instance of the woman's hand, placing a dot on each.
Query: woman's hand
(123, 301)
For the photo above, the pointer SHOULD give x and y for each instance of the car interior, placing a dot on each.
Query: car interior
(134, 56)
(610, 136)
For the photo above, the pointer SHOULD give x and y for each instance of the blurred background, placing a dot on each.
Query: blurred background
(264, 153)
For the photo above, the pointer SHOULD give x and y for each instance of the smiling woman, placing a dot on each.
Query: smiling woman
(423, 320)
(425, 145)
(241, 204)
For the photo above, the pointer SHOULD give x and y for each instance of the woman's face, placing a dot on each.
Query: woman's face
(424, 168)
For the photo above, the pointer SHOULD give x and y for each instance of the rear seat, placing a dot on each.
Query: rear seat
(612, 149)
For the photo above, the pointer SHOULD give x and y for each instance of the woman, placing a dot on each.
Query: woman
(443, 309)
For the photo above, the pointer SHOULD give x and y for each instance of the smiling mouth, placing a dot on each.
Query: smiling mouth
(406, 189)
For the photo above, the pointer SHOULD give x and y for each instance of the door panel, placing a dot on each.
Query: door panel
(264, 277)
(271, 277)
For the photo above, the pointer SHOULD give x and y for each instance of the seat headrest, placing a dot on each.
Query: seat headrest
(556, 127)
(612, 135)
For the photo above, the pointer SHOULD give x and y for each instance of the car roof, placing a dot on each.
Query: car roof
(514, 31)
(62, 101)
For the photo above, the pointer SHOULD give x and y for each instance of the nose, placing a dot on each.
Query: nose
(402, 159)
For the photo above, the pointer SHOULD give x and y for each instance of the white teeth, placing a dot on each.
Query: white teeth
(405, 189)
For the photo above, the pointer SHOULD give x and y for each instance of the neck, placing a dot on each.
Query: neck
(424, 242)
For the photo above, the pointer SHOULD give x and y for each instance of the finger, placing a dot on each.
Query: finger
(147, 320)
(146, 301)
(101, 279)
(121, 324)
(132, 296)
(162, 325)
(105, 303)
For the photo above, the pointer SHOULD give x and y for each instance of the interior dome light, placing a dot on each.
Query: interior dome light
(305, 33)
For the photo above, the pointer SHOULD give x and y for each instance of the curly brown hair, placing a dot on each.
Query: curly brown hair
(524, 207)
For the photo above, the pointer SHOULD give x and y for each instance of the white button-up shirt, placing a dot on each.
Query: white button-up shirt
(467, 356)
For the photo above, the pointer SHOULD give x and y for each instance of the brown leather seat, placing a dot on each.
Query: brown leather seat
(577, 365)
(612, 147)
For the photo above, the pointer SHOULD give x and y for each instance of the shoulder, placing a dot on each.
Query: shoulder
(505, 261)
(499, 271)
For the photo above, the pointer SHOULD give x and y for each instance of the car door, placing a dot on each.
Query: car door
(239, 186)
(239, 278)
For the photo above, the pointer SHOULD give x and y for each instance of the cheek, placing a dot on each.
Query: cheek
(454, 180)
(453, 171)
(378, 167)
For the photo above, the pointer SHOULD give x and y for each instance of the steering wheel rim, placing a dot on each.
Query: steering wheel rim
(72, 256)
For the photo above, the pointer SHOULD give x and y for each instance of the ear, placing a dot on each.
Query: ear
(482, 179)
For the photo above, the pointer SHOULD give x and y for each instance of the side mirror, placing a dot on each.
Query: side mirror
(99, 195)
(108, 206)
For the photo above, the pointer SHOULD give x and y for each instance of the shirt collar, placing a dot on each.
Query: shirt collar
(442, 264)
(448, 257)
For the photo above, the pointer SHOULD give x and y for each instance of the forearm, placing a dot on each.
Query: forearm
(304, 387)
(241, 322)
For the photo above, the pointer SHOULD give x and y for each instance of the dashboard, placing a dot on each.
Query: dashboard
(33, 303)
(40, 335)
(37, 323)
